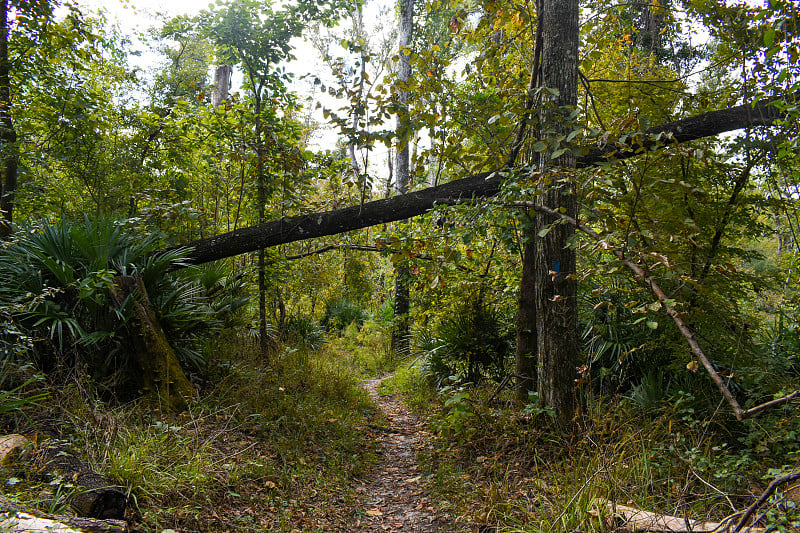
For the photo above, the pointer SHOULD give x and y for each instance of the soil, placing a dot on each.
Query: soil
(395, 497)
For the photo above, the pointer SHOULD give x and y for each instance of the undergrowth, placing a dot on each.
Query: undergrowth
(267, 448)
(510, 468)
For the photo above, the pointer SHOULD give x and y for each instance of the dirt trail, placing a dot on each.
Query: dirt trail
(395, 498)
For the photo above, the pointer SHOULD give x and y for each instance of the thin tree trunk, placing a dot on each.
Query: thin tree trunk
(8, 135)
(401, 293)
(262, 201)
(554, 269)
(527, 345)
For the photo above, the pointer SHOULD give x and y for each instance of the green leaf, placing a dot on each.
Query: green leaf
(769, 37)
(652, 324)
(539, 146)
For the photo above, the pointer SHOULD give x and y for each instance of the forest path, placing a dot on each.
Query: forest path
(395, 496)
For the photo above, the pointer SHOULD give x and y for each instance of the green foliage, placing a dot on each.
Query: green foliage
(456, 421)
(341, 313)
(304, 333)
(59, 296)
(469, 345)
(15, 396)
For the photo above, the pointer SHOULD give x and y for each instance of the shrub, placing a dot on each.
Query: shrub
(341, 313)
(303, 332)
(58, 297)
(470, 345)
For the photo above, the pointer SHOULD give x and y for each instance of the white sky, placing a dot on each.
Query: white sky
(135, 16)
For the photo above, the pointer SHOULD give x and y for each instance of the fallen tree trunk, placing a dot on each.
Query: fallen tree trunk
(96, 497)
(487, 184)
(13, 517)
(636, 520)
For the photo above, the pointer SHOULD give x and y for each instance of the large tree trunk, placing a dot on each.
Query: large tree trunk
(8, 135)
(162, 375)
(483, 185)
(401, 294)
(554, 260)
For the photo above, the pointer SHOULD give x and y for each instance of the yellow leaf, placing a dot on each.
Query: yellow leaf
(269, 484)
(374, 512)
(692, 366)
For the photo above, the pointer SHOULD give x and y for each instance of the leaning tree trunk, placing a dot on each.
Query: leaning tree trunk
(402, 166)
(554, 259)
(484, 185)
(162, 375)
(8, 135)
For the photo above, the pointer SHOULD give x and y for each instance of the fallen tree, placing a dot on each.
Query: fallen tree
(291, 229)
(15, 517)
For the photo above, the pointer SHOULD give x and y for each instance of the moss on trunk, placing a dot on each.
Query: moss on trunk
(161, 374)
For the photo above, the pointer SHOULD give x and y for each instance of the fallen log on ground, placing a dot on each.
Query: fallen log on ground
(635, 520)
(11, 446)
(14, 517)
(97, 497)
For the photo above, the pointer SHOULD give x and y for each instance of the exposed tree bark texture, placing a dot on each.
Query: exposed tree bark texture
(222, 84)
(486, 184)
(17, 518)
(555, 286)
(403, 171)
(162, 374)
(8, 135)
(98, 497)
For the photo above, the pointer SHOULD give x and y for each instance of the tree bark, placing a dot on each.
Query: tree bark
(527, 342)
(483, 185)
(555, 286)
(262, 202)
(222, 84)
(8, 135)
(162, 375)
(402, 297)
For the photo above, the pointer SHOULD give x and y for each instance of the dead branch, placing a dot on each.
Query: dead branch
(483, 185)
(770, 490)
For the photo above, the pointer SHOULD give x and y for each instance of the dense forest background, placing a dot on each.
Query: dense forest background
(569, 231)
